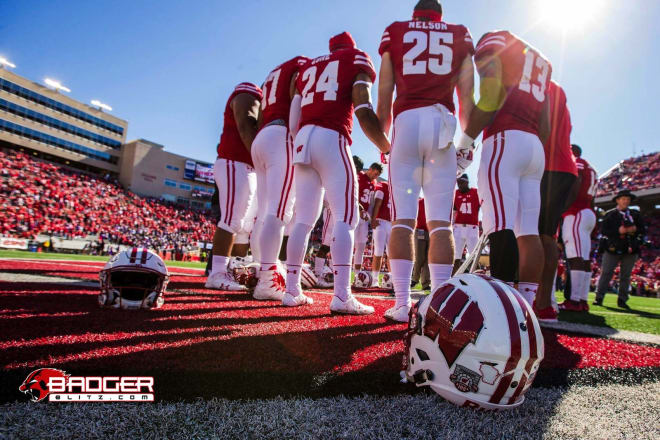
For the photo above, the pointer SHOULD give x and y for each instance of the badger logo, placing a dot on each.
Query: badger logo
(36, 384)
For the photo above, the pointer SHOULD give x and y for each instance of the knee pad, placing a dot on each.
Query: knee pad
(503, 255)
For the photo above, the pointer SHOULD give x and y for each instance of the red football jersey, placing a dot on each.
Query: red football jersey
(366, 189)
(231, 146)
(326, 86)
(558, 154)
(276, 102)
(525, 76)
(421, 216)
(426, 56)
(384, 211)
(466, 207)
(587, 190)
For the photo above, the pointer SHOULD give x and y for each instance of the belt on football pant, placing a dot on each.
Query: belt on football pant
(276, 122)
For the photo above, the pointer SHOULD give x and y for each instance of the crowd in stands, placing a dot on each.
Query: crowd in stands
(635, 174)
(43, 198)
(39, 197)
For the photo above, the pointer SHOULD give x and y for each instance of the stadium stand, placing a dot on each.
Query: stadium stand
(635, 173)
(44, 198)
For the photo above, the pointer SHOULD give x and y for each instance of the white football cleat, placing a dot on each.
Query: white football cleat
(375, 282)
(270, 286)
(399, 314)
(223, 281)
(350, 307)
(294, 301)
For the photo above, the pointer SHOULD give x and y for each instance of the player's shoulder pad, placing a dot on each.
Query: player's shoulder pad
(362, 59)
(492, 40)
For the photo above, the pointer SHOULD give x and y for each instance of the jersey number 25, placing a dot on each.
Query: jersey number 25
(432, 41)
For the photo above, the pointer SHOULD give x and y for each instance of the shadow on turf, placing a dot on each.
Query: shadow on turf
(316, 363)
(633, 312)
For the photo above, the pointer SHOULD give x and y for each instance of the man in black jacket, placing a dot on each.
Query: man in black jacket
(623, 231)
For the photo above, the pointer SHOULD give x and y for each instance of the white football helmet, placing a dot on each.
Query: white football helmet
(362, 279)
(475, 341)
(386, 281)
(308, 278)
(133, 279)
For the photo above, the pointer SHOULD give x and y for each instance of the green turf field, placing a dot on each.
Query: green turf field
(53, 256)
(644, 316)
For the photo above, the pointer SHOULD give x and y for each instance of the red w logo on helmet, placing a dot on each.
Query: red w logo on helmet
(453, 336)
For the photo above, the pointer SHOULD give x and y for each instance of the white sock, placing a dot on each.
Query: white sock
(374, 276)
(359, 253)
(576, 285)
(586, 285)
(342, 280)
(219, 264)
(439, 274)
(401, 276)
(270, 240)
(295, 253)
(293, 275)
(342, 245)
(255, 238)
(319, 265)
(528, 291)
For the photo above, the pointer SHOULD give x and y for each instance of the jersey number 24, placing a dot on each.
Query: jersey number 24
(326, 84)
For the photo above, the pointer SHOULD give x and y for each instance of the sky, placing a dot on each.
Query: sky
(168, 67)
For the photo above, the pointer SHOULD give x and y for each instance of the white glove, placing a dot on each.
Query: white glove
(464, 153)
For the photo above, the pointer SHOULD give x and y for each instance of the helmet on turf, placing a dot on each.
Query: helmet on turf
(362, 279)
(307, 277)
(386, 282)
(475, 341)
(133, 279)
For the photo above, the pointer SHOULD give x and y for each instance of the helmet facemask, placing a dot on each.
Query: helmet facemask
(133, 288)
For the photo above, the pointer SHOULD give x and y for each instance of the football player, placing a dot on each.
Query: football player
(557, 193)
(234, 174)
(425, 59)
(513, 113)
(466, 219)
(366, 186)
(272, 153)
(579, 222)
(330, 89)
(382, 227)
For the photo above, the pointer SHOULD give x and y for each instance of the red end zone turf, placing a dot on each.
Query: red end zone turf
(210, 343)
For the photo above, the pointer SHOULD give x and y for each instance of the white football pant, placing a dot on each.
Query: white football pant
(381, 236)
(576, 233)
(465, 235)
(237, 186)
(417, 162)
(272, 154)
(509, 182)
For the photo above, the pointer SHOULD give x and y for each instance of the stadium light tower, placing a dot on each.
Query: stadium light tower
(56, 85)
(4, 62)
(100, 105)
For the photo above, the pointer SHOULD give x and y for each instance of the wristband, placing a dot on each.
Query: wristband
(367, 105)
